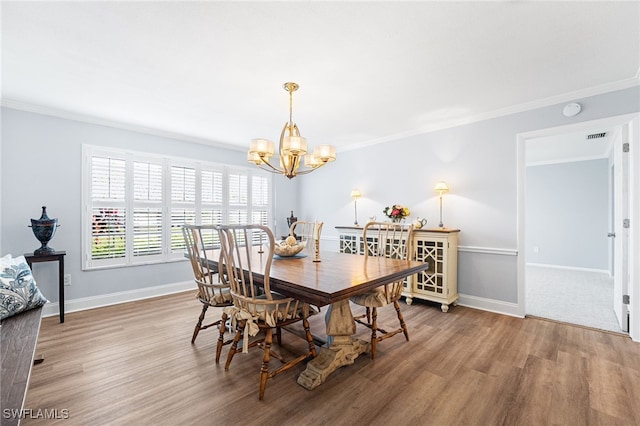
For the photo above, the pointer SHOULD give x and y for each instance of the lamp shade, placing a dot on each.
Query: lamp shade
(261, 147)
(254, 157)
(311, 161)
(441, 187)
(355, 194)
(294, 145)
(325, 153)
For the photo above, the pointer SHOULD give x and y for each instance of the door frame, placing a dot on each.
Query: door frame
(633, 123)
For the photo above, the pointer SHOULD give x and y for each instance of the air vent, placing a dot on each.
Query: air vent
(596, 135)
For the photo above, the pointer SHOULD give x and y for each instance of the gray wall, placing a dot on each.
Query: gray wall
(567, 214)
(478, 161)
(41, 165)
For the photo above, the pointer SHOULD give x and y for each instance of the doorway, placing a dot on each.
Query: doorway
(587, 256)
(567, 194)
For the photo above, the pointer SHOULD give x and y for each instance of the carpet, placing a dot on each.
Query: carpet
(576, 297)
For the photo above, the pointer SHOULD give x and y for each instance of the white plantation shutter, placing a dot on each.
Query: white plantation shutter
(107, 178)
(147, 181)
(147, 209)
(260, 196)
(179, 217)
(183, 184)
(212, 187)
(108, 239)
(212, 210)
(107, 209)
(136, 204)
(183, 204)
(147, 231)
(238, 189)
(238, 198)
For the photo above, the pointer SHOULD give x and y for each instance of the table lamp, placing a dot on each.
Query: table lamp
(355, 194)
(441, 188)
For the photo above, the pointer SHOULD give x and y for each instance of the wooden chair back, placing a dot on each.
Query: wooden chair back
(392, 240)
(246, 258)
(199, 241)
(307, 233)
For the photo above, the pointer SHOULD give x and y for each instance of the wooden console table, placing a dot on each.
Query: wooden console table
(52, 257)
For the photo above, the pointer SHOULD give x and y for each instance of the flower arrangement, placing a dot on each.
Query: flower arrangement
(396, 212)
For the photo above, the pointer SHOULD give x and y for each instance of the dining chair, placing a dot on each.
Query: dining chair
(212, 292)
(247, 256)
(391, 240)
(307, 233)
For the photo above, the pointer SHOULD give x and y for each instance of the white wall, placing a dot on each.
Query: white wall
(567, 212)
(479, 162)
(41, 165)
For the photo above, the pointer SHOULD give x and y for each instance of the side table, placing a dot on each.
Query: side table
(51, 257)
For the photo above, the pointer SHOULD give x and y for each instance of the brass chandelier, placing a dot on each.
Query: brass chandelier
(291, 150)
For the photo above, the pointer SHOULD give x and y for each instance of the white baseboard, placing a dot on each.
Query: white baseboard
(569, 268)
(73, 305)
(490, 305)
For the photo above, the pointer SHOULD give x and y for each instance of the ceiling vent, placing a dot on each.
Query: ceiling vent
(596, 135)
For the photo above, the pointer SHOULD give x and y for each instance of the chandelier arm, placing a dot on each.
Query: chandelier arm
(272, 167)
(285, 171)
(304, 172)
(284, 129)
(274, 171)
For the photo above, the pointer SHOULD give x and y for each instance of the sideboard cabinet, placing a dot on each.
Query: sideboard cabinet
(437, 247)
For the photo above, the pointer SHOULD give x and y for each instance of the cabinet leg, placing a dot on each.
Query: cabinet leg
(444, 307)
(408, 300)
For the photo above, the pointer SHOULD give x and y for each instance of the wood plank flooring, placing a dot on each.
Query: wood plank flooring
(133, 364)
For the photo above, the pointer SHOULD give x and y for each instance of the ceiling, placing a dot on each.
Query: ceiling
(591, 144)
(369, 72)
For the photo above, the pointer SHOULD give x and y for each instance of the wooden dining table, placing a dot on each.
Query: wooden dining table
(332, 281)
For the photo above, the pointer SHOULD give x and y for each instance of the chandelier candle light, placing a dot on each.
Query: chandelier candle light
(441, 188)
(292, 148)
(355, 194)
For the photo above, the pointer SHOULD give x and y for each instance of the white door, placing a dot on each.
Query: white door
(620, 233)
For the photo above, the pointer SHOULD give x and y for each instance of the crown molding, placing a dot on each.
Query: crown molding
(540, 103)
(85, 118)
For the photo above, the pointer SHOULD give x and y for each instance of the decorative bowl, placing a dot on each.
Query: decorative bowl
(286, 250)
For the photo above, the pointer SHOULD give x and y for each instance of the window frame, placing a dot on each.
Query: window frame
(168, 206)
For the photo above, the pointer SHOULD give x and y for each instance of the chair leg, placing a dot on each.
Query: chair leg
(223, 326)
(368, 313)
(264, 371)
(403, 325)
(279, 336)
(234, 345)
(307, 330)
(199, 324)
(374, 329)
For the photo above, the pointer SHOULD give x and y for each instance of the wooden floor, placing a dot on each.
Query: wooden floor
(133, 364)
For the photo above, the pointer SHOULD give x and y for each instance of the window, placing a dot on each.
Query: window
(135, 204)
(183, 203)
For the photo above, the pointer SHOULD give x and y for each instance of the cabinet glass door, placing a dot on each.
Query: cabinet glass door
(432, 280)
